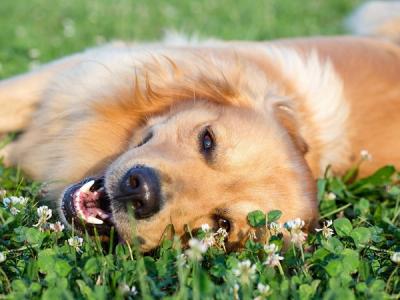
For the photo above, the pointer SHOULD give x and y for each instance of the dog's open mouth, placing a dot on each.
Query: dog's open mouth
(87, 206)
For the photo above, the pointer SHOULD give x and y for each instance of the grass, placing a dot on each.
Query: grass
(356, 262)
(57, 28)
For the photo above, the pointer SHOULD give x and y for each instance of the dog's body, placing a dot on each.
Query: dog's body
(278, 112)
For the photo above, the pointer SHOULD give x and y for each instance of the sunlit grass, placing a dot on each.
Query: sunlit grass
(357, 261)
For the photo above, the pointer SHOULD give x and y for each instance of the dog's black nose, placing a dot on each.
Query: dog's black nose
(141, 187)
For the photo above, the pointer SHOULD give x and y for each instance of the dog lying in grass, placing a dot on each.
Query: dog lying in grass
(205, 133)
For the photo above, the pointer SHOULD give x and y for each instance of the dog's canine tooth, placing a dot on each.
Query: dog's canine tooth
(102, 214)
(94, 220)
(86, 187)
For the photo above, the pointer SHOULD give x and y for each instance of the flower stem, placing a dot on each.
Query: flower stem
(281, 270)
(195, 278)
(7, 281)
(336, 211)
(390, 279)
(302, 253)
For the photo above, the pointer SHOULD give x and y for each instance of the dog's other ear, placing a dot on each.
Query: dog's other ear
(20, 95)
(286, 118)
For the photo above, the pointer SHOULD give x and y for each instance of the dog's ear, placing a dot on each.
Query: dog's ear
(20, 95)
(287, 119)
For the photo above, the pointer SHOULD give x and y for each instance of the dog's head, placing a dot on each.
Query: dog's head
(200, 163)
(213, 159)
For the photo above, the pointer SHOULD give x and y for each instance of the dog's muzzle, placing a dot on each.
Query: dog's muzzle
(87, 205)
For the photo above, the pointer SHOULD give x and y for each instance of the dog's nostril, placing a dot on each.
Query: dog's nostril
(137, 204)
(134, 182)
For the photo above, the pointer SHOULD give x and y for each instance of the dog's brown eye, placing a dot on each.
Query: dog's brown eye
(207, 143)
(224, 224)
(146, 139)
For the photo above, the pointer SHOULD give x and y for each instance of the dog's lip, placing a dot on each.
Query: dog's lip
(86, 205)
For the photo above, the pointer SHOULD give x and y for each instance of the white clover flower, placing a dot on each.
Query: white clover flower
(14, 211)
(245, 271)
(331, 196)
(220, 237)
(252, 235)
(271, 248)
(34, 53)
(216, 239)
(205, 227)
(13, 200)
(181, 260)
(2, 193)
(293, 225)
(222, 232)
(298, 238)
(365, 155)
(133, 291)
(76, 242)
(44, 213)
(274, 228)
(273, 260)
(209, 240)
(69, 28)
(395, 257)
(7, 202)
(57, 227)
(126, 290)
(326, 231)
(264, 291)
(2, 257)
(23, 200)
(197, 249)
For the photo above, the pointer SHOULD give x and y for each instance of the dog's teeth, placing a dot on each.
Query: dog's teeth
(102, 214)
(86, 187)
(94, 220)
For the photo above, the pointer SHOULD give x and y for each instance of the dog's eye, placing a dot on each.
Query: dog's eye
(207, 143)
(146, 139)
(224, 224)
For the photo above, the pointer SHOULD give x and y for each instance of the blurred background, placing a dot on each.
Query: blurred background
(36, 31)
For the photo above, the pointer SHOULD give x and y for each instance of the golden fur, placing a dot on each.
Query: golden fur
(281, 112)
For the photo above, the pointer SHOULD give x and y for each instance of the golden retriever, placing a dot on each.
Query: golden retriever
(205, 133)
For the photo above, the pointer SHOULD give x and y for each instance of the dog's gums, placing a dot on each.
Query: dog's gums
(87, 205)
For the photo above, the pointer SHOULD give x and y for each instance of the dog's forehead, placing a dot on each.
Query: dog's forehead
(230, 121)
(186, 112)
